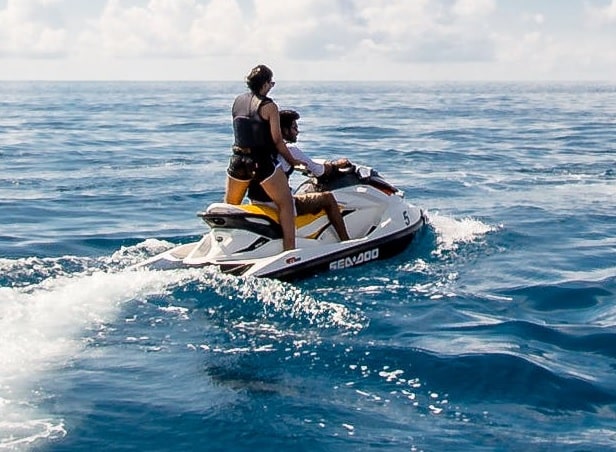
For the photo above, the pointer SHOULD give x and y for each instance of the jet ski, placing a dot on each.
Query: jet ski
(247, 239)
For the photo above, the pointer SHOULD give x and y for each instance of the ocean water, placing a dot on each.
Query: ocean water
(494, 330)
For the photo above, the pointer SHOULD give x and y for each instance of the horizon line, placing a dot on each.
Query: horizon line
(313, 81)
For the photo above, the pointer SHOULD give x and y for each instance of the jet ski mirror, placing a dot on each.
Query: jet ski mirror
(347, 169)
(364, 172)
(303, 169)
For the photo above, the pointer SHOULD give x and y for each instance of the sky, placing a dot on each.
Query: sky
(354, 40)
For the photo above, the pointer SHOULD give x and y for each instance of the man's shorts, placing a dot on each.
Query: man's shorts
(309, 203)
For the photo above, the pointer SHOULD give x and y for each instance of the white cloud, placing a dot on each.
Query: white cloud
(27, 30)
(212, 32)
(137, 31)
(302, 29)
(474, 8)
(426, 31)
(165, 28)
(305, 29)
(603, 15)
(306, 39)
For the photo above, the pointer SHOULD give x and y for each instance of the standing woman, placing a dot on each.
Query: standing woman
(258, 140)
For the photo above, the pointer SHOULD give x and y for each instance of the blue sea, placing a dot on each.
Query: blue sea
(494, 330)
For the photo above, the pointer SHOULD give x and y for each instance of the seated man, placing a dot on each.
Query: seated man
(310, 202)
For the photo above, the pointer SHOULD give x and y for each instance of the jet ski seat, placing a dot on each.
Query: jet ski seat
(261, 210)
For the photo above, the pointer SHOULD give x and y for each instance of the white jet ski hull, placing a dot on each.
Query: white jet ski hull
(246, 240)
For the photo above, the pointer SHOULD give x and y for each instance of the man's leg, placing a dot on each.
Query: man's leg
(315, 202)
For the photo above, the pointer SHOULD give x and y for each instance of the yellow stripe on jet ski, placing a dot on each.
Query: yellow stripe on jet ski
(272, 213)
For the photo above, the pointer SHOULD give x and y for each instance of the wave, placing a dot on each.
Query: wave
(53, 309)
(42, 327)
(365, 131)
(571, 295)
(452, 232)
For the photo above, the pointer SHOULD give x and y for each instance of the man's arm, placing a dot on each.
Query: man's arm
(318, 169)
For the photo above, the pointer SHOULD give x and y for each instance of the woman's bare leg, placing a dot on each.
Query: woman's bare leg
(277, 188)
(235, 190)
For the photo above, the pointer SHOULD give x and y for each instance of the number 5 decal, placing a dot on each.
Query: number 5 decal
(407, 220)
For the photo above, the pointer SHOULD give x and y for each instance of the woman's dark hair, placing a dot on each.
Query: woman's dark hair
(258, 77)
(287, 117)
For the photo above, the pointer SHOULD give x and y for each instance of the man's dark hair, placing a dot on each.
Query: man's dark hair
(287, 117)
